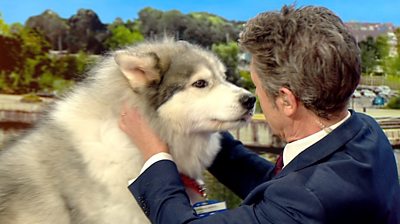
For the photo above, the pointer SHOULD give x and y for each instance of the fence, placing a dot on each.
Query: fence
(16, 116)
(380, 81)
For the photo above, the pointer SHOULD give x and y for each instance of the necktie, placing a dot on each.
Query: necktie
(278, 164)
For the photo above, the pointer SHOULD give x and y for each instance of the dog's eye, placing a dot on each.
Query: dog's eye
(200, 83)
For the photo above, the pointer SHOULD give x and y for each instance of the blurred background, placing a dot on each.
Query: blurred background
(46, 46)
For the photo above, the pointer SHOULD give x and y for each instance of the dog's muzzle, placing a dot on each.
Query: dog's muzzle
(247, 101)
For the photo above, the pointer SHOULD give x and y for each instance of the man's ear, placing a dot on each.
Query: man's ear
(138, 69)
(287, 101)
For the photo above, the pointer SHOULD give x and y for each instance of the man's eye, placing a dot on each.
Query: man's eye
(200, 83)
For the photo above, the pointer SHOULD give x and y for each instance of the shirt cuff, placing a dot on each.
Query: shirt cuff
(155, 158)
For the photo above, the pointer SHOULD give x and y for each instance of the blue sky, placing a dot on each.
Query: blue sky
(381, 11)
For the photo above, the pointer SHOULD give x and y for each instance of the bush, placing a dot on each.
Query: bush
(394, 103)
(31, 98)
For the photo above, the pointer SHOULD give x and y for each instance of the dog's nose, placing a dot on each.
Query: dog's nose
(247, 101)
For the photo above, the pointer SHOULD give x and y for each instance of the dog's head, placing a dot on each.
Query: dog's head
(186, 86)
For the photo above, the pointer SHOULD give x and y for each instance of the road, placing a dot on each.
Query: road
(364, 105)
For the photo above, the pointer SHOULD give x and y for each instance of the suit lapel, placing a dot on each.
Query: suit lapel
(320, 150)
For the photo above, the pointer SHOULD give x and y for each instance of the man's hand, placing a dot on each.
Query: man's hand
(140, 132)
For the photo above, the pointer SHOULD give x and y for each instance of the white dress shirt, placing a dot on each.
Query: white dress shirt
(293, 149)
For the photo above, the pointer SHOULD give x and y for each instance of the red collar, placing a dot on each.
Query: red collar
(194, 185)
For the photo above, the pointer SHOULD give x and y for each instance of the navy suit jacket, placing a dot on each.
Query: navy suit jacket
(350, 176)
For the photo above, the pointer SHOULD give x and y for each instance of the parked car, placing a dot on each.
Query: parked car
(385, 90)
(378, 100)
(368, 93)
(357, 94)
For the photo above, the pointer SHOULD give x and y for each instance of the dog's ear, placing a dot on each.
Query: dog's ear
(139, 70)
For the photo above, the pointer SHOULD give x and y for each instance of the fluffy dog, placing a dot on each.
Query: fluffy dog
(74, 166)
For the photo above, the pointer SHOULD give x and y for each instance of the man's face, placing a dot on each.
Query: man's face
(270, 109)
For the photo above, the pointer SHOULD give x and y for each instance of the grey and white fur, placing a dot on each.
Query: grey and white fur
(75, 165)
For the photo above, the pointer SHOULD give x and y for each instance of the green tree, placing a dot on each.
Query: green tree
(383, 47)
(4, 28)
(10, 56)
(396, 60)
(392, 65)
(201, 28)
(173, 23)
(198, 32)
(122, 36)
(86, 32)
(368, 55)
(228, 53)
(389, 63)
(33, 42)
(149, 19)
(218, 30)
(33, 60)
(397, 33)
(54, 28)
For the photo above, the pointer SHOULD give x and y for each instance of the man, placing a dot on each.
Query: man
(338, 164)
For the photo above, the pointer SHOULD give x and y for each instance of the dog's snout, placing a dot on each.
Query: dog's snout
(247, 101)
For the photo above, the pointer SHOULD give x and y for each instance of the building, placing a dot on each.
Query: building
(363, 30)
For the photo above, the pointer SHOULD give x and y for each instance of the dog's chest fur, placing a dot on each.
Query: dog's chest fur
(112, 160)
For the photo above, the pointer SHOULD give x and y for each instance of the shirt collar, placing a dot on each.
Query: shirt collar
(293, 149)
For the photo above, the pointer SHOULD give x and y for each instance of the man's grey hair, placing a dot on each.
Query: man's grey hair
(307, 50)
